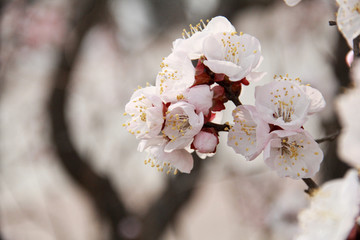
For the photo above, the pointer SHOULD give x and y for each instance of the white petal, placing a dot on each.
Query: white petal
(145, 109)
(317, 100)
(179, 159)
(243, 137)
(233, 71)
(292, 3)
(233, 55)
(219, 24)
(255, 76)
(176, 76)
(201, 97)
(193, 46)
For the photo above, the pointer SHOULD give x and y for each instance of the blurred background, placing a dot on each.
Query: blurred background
(69, 170)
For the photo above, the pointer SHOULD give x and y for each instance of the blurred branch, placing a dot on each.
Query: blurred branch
(99, 188)
(332, 166)
(356, 44)
(165, 210)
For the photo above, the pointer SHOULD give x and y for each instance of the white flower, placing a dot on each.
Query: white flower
(346, 105)
(233, 55)
(192, 42)
(146, 111)
(182, 123)
(249, 134)
(286, 103)
(293, 154)
(176, 76)
(333, 210)
(178, 159)
(292, 3)
(348, 19)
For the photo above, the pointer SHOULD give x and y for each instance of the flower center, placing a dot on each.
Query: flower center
(284, 111)
(178, 123)
(290, 148)
(232, 48)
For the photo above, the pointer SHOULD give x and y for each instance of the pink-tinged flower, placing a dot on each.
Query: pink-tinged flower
(348, 19)
(333, 210)
(146, 111)
(176, 76)
(205, 142)
(193, 40)
(249, 134)
(182, 123)
(292, 3)
(293, 154)
(283, 104)
(233, 55)
(178, 159)
(201, 97)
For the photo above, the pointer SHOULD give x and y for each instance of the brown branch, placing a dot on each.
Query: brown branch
(331, 137)
(312, 186)
(99, 188)
(218, 127)
(165, 210)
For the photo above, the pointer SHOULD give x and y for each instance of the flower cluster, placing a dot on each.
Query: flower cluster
(275, 125)
(178, 114)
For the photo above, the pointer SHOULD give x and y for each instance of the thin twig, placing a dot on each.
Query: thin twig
(312, 186)
(331, 137)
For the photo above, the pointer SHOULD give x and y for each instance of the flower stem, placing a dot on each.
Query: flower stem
(312, 186)
(218, 127)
